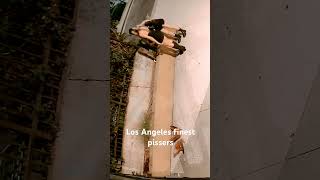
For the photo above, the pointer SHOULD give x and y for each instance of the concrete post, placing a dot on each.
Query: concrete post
(162, 113)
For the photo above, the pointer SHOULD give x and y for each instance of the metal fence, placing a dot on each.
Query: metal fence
(34, 39)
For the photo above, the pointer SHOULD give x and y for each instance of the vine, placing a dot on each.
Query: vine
(121, 56)
(25, 28)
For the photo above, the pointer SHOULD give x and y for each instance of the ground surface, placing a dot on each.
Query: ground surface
(265, 90)
(81, 146)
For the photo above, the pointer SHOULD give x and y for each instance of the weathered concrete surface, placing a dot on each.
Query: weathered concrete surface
(264, 68)
(140, 94)
(307, 135)
(304, 153)
(90, 36)
(192, 69)
(192, 72)
(80, 150)
(162, 109)
(196, 161)
(81, 145)
(269, 173)
(305, 166)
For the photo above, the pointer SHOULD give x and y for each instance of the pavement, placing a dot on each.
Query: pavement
(265, 68)
(80, 149)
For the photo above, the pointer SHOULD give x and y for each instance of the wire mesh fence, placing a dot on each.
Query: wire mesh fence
(34, 39)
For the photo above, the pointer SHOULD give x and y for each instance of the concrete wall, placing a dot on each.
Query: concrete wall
(140, 96)
(304, 154)
(192, 71)
(162, 113)
(264, 67)
(196, 162)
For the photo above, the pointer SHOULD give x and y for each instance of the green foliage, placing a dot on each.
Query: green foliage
(147, 121)
(25, 26)
(33, 18)
(122, 53)
(116, 9)
(115, 2)
(40, 73)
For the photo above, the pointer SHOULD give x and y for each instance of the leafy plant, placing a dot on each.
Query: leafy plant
(122, 53)
(25, 26)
